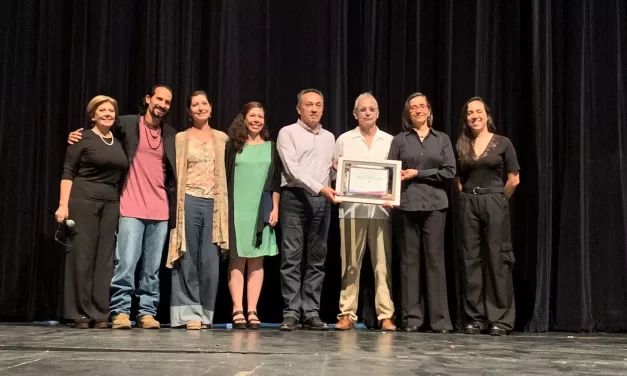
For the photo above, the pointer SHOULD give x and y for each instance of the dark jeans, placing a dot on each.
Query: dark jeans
(305, 220)
(486, 248)
(423, 271)
(89, 260)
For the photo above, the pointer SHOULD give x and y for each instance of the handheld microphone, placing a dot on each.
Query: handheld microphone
(66, 222)
(64, 229)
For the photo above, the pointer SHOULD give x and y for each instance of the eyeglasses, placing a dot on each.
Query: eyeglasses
(418, 107)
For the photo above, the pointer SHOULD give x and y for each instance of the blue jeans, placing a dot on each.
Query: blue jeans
(137, 238)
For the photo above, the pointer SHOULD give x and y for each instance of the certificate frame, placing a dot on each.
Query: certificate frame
(346, 164)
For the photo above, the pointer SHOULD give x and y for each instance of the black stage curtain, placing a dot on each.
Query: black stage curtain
(552, 71)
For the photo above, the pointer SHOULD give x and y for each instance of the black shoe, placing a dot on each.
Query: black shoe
(314, 323)
(411, 329)
(443, 331)
(497, 330)
(288, 324)
(473, 328)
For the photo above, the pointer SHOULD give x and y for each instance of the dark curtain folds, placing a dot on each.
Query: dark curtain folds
(579, 60)
(553, 73)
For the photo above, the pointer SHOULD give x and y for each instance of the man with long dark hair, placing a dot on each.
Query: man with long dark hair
(146, 206)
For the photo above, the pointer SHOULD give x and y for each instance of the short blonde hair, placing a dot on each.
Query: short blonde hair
(96, 101)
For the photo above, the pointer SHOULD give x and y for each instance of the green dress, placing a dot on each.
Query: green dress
(251, 171)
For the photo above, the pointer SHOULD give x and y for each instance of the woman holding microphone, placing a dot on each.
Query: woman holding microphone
(90, 194)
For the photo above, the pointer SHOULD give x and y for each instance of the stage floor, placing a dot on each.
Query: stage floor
(59, 350)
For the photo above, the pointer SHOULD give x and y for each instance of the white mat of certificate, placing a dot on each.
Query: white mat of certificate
(372, 181)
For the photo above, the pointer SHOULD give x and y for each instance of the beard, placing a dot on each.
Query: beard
(157, 115)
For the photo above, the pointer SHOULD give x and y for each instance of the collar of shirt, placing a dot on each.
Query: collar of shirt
(377, 135)
(314, 131)
(412, 131)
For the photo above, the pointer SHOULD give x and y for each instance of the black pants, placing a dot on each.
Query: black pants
(305, 220)
(89, 260)
(486, 248)
(422, 251)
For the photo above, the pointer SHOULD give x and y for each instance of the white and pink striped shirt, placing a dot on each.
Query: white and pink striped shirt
(307, 156)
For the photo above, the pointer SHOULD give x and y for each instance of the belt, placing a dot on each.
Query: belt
(483, 191)
(301, 191)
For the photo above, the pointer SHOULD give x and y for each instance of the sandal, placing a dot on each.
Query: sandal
(239, 324)
(253, 324)
(194, 325)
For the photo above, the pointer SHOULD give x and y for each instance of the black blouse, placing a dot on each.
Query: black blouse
(489, 169)
(96, 169)
(272, 185)
(435, 161)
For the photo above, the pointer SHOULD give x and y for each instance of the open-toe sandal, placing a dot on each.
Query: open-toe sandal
(239, 323)
(194, 325)
(253, 323)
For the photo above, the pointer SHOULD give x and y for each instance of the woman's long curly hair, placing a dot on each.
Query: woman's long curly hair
(238, 132)
(466, 137)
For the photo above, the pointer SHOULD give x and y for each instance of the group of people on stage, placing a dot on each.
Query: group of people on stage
(130, 181)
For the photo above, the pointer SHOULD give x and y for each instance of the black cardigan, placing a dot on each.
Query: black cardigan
(272, 185)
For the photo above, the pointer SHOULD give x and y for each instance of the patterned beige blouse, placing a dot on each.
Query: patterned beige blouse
(220, 235)
(201, 159)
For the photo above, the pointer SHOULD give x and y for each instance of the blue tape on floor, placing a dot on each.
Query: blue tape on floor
(229, 326)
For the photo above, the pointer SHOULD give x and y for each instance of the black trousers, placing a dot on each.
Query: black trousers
(423, 268)
(89, 260)
(488, 259)
(305, 221)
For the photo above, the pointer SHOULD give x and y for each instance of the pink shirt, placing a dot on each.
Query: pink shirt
(144, 195)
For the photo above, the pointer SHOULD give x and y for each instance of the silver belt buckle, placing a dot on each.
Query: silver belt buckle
(474, 190)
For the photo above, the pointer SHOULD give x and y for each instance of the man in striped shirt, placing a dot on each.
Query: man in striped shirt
(306, 150)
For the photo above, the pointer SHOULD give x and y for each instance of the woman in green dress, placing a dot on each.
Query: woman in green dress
(253, 170)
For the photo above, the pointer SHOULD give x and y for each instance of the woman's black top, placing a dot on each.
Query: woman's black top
(489, 169)
(434, 159)
(95, 168)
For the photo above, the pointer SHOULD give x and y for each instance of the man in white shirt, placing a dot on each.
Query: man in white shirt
(362, 224)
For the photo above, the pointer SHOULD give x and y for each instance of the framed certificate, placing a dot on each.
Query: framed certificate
(367, 181)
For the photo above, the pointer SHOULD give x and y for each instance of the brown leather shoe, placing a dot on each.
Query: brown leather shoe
(101, 325)
(121, 321)
(81, 325)
(148, 322)
(387, 325)
(344, 323)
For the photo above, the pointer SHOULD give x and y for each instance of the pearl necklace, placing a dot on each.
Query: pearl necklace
(105, 142)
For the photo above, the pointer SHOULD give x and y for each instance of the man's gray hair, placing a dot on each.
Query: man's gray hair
(362, 96)
(303, 92)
